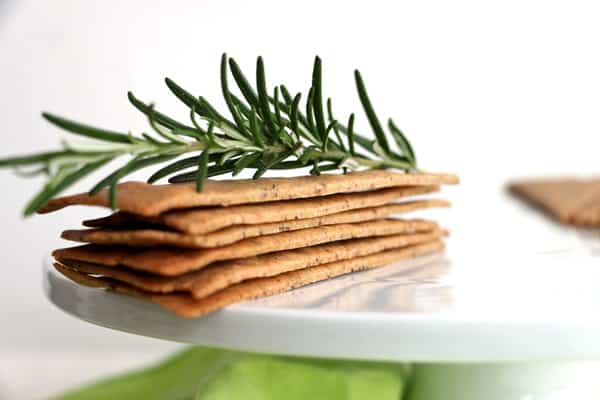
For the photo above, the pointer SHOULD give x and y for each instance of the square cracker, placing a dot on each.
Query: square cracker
(176, 261)
(224, 274)
(149, 237)
(570, 201)
(204, 220)
(189, 307)
(151, 200)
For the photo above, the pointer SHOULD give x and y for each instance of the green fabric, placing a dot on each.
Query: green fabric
(175, 379)
(210, 374)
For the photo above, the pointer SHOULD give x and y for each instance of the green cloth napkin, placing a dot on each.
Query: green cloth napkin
(200, 373)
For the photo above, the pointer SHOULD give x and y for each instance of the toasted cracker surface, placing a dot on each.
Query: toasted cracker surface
(200, 221)
(571, 201)
(151, 200)
(161, 237)
(173, 261)
(224, 274)
(189, 307)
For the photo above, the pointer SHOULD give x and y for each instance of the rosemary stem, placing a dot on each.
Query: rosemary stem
(265, 134)
(365, 162)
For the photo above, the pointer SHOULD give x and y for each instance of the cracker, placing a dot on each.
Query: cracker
(188, 307)
(151, 200)
(570, 201)
(121, 218)
(161, 237)
(224, 274)
(204, 220)
(172, 261)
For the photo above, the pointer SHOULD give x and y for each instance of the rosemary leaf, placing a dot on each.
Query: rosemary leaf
(308, 154)
(134, 165)
(335, 129)
(186, 97)
(200, 105)
(288, 102)
(52, 188)
(327, 131)
(263, 97)
(328, 167)
(202, 170)
(239, 121)
(226, 168)
(192, 133)
(86, 130)
(276, 106)
(285, 138)
(163, 132)
(245, 162)
(242, 107)
(227, 156)
(402, 142)
(309, 113)
(351, 134)
(213, 170)
(210, 133)
(365, 142)
(260, 171)
(370, 112)
(245, 87)
(195, 121)
(317, 99)
(33, 158)
(30, 173)
(152, 140)
(256, 129)
(285, 93)
(162, 119)
(316, 170)
(294, 115)
(288, 165)
(112, 195)
(212, 113)
(177, 166)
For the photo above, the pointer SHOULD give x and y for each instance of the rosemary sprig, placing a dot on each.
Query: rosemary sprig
(265, 132)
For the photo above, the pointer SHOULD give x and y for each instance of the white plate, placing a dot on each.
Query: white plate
(498, 317)
(512, 286)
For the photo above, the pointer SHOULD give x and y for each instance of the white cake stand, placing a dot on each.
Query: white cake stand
(510, 312)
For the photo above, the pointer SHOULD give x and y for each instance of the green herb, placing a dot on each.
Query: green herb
(264, 133)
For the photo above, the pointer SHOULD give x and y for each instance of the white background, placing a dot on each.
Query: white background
(491, 90)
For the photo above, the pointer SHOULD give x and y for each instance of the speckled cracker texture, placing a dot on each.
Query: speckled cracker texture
(187, 306)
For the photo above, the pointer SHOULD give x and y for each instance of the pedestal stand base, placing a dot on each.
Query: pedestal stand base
(507, 381)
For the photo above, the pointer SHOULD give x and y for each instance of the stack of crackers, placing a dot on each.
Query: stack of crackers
(195, 253)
